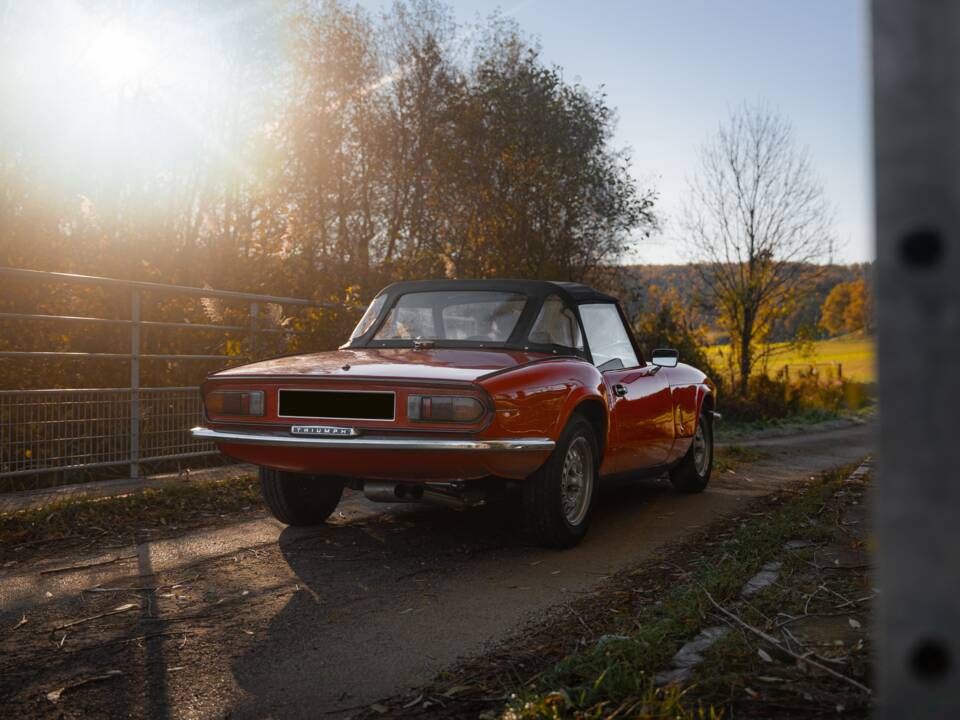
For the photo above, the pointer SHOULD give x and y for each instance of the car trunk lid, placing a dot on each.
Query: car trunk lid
(444, 364)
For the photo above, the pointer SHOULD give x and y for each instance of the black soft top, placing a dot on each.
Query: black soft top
(537, 291)
(572, 292)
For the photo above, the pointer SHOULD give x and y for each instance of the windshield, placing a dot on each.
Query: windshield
(481, 316)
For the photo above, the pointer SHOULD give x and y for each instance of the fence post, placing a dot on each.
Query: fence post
(916, 68)
(135, 384)
(254, 312)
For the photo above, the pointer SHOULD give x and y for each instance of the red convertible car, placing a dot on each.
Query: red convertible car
(448, 389)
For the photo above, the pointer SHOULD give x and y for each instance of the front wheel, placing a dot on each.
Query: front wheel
(296, 499)
(558, 498)
(692, 473)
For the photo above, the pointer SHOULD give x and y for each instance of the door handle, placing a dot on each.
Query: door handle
(619, 390)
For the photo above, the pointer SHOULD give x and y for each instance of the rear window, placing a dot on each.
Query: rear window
(481, 316)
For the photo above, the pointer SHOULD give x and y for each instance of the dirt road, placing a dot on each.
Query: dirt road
(256, 620)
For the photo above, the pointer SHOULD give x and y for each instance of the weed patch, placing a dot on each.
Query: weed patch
(609, 676)
(107, 521)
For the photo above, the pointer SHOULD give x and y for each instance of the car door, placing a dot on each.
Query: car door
(641, 408)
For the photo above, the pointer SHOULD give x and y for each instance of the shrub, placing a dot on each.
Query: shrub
(765, 399)
(770, 399)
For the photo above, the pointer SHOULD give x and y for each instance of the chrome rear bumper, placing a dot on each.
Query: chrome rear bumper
(373, 443)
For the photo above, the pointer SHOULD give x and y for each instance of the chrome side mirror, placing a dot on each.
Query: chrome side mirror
(665, 357)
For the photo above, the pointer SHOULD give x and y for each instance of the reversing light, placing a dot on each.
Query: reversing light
(236, 402)
(444, 408)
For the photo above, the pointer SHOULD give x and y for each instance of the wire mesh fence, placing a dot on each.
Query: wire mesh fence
(44, 431)
(55, 437)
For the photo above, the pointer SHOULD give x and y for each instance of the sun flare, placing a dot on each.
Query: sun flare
(124, 93)
(118, 57)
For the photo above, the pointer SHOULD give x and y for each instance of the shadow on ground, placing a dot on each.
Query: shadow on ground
(382, 601)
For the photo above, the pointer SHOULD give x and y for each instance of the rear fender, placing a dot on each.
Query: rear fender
(539, 398)
(592, 404)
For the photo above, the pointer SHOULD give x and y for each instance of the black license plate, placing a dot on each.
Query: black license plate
(337, 405)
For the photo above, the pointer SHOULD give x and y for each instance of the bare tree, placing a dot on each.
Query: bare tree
(757, 222)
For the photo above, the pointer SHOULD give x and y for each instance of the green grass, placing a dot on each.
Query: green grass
(855, 354)
(617, 676)
(732, 430)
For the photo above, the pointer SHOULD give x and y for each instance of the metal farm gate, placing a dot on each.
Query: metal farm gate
(44, 431)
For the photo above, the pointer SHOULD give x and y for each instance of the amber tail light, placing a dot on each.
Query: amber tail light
(444, 408)
(247, 402)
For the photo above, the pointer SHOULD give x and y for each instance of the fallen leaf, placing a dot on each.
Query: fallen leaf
(378, 708)
(764, 655)
(853, 623)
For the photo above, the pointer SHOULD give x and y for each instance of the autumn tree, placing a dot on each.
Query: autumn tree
(846, 308)
(533, 185)
(332, 151)
(664, 324)
(756, 222)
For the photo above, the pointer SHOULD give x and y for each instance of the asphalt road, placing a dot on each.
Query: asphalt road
(258, 620)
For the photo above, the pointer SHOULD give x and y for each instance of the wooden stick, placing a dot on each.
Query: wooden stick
(779, 646)
(116, 611)
(84, 566)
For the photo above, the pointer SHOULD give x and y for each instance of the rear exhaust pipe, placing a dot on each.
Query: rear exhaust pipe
(392, 492)
(447, 495)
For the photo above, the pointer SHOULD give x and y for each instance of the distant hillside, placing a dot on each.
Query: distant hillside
(644, 288)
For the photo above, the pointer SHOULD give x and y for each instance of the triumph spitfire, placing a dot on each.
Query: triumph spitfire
(448, 389)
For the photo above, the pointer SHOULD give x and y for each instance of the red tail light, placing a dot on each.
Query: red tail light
(247, 402)
(444, 408)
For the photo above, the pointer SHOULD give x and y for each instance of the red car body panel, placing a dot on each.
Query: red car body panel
(532, 395)
(404, 364)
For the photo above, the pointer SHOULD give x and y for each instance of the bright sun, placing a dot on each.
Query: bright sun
(118, 58)
(141, 89)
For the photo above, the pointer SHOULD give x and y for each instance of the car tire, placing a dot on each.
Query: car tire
(692, 473)
(558, 498)
(296, 499)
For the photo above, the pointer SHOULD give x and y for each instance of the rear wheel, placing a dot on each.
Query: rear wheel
(558, 498)
(296, 499)
(692, 473)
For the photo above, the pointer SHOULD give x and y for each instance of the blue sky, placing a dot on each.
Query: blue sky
(675, 68)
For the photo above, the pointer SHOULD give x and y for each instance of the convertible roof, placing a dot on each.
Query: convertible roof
(571, 291)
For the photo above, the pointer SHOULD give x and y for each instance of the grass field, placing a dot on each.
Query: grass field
(854, 353)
